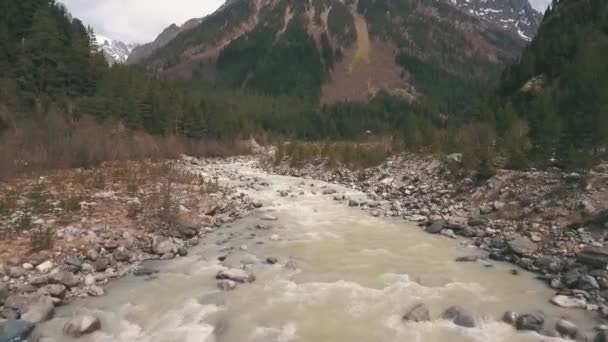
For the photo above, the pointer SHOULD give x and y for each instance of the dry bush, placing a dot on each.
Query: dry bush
(53, 142)
(42, 239)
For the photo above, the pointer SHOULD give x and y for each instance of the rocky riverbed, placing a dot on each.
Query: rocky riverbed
(310, 253)
(549, 222)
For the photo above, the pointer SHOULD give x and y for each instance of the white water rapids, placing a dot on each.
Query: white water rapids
(356, 276)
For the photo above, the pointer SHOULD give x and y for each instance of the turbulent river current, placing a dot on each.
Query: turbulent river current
(351, 277)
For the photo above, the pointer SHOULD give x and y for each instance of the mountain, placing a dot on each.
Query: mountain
(114, 51)
(341, 50)
(559, 85)
(516, 16)
(142, 52)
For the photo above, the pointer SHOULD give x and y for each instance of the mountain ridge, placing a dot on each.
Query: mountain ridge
(115, 51)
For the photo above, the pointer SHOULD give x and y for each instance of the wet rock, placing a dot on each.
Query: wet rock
(144, 272)
(182, 251)
(272, 260)
(9, 313)
(3, 293)
(291, 265)
(328, 191)
(569, 302)
(602, 336)
(235, 274)
(63, 277)
(15, 331)
(532, 321)
(419, 313)
(566, 328)
(39, 311)
(470, 258)
(594, 256)
(459, 316)
(435, 228)
(510, 317)
(588, 283)
(227, 285)
(96, 291)
(521, 245)
(269, 218)
(162, 245)
(101, 264)
(81, 325)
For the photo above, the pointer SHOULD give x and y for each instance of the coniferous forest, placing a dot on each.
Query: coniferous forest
(550, 105)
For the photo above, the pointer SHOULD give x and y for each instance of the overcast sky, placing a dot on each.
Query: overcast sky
(137, 20)
(140, 21)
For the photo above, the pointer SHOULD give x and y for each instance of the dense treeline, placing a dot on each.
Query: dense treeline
(559, 85)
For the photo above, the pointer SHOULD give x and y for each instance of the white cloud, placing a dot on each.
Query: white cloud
(137, 20)
(540, 5)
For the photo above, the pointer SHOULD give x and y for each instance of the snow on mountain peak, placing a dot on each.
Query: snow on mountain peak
(115, 51)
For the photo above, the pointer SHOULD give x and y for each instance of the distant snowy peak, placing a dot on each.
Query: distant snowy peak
(515, 16)
(115, 51)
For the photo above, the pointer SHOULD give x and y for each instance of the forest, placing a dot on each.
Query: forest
(51, 72)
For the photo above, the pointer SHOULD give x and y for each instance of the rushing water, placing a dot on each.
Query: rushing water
(356, 277)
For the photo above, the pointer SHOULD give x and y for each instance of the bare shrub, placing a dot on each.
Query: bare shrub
(42, 239)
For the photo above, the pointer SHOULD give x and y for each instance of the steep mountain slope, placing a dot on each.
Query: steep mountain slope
(560, 83)
(144, 51)
(343, 50)
(515, 16)
(114, 51)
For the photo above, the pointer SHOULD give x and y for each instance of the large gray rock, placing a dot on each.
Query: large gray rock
(63, 277)
(236, 274)
(457, 222)
(81, 325)
(3, 293)
(521, 245)
(39, 311)
(459, 316)
(162, 245)
(435, 228)
(594, 256)
(15, 331)
(419, 313)
(566, 328)
(569, 302)
(53, 290)
(101, 263)
(533, 321)
(121, 254)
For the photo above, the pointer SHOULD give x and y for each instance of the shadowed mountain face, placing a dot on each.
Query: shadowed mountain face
(343, 50)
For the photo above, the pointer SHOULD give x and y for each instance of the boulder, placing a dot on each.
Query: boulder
(101, 263)
(594, 256)
(418, 313)
(459, 316)
(81, 325)
(227, 284)
(39, 311)
(73, 261)
(162, 245)
(569, 302)
(328, 191)
(237, 275)
(95, 291)
(15, 330)
(3, 293)
(566, 328)
(16, 272)
(454, 158)
(510, 317)
(532, 321)
(521, 245)
(588, 283)
(435, 228)
(45, 266)
(92, 255)
(269, 218)
(63, 277)
(121, 254)
(457, 222)
(54, 290)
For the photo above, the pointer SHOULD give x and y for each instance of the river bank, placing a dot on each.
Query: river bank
(549, 222)
(308, 239)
